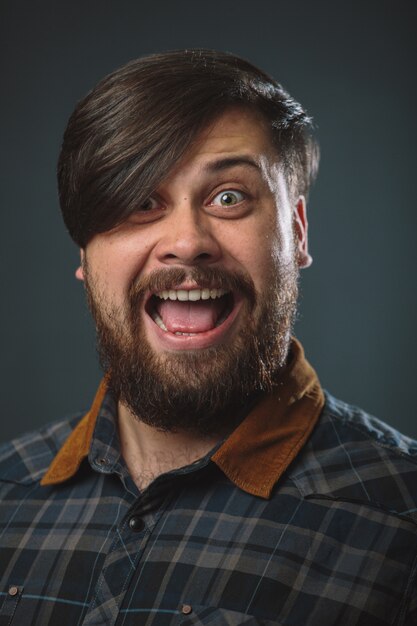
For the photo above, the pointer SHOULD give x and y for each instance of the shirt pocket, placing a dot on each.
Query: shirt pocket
(213, 616)
(11, 598)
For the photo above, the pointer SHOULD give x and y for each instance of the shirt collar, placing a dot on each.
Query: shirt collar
(257, 452)
(261, 448)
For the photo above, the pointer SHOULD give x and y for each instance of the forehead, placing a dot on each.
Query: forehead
(236, 132)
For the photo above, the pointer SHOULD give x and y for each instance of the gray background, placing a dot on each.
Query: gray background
(352, 64)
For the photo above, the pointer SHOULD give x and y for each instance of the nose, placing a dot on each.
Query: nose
(188, 238)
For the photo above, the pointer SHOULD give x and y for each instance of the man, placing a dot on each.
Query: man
(212, 481)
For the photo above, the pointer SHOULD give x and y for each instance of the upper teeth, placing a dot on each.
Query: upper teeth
(190, 294)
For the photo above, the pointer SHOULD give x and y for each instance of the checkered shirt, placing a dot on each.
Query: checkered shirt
(335, 544)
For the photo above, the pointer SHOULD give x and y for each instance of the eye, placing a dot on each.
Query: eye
(148, 205)
(228, 198)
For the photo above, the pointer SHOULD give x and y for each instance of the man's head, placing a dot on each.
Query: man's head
(129, 132)
(183, 178)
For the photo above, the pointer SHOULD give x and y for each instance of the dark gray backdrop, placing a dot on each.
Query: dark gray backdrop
(352, 64)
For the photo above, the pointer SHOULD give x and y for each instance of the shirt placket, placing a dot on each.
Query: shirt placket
(130, 541)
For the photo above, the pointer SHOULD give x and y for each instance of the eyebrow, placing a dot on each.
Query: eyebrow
(229, 162)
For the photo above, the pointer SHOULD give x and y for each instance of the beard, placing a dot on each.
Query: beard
(205, 391)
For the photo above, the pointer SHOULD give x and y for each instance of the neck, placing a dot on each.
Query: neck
(149, 452)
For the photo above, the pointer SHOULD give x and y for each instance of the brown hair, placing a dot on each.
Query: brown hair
(126, 135)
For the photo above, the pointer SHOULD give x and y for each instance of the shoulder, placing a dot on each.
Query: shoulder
(25, 459)
(373, 429)
(352, 455)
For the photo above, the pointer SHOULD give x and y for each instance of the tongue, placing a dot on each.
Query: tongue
(190, 317)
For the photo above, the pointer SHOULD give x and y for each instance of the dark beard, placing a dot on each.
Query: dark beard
(203, 391)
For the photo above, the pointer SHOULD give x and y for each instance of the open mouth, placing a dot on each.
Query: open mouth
(189, 312)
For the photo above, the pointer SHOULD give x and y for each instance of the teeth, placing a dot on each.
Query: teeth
(182, 295)
(158, 320)
(192, 295)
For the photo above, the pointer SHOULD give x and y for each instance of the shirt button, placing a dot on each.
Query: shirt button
(186, 609)
(136, 524)
(13, 590)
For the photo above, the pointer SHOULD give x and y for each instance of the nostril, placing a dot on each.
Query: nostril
(203, 256)
(188, 247)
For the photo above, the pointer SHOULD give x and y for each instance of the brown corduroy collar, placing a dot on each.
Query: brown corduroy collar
(258, 451)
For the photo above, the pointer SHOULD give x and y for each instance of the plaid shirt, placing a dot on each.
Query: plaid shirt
(333, 541)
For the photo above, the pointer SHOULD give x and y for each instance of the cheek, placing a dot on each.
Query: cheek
(256, 249)
(266, 247)
(278, 239)
(113, 264)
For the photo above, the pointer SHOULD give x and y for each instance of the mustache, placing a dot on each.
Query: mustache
(204, 277)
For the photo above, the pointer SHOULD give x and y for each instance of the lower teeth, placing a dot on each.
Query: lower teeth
(158, 321)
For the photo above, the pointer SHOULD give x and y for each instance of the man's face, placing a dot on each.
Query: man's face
(195, 293)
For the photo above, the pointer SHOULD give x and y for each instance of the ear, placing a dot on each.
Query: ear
(79, 272)
(301, 231)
